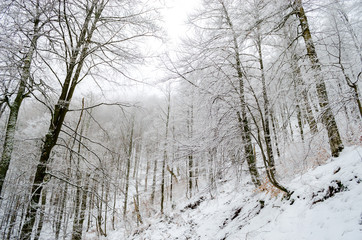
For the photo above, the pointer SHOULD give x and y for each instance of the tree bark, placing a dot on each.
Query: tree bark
(61, 108)
(60, 210)
(299, 115)
(328, 119)
(165, 151)
(41, 215)
(147, 168)
(302, 93)
(128, 169)
(15, 106)
(190, 156)
(77, 228)
(154, 179)
(268, 159)
(272, 117)
(266, 124)
(242, 117)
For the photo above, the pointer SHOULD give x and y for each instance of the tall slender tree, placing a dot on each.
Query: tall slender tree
(38, 14)
(328, 119)
(165, 156)
(91, 33)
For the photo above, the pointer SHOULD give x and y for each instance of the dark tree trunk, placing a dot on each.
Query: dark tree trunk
(328, 119)
(242, 117)
(74, 68)
(154, 179)
(60, 210)
(191, 175)
(248, 149)
(83, 208)
(41, 215)
(272, 117)
(165, 152)
(190, 157)
(266, 124)
(128, 169)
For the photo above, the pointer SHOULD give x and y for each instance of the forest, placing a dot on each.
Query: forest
(112, 129)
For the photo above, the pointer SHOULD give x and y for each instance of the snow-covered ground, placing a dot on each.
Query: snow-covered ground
(326, 204)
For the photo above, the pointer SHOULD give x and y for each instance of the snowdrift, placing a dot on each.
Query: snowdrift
(326, 204)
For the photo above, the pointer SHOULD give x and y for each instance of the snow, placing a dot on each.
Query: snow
(236, 211)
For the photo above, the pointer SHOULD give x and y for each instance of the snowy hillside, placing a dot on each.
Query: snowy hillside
(180, 119)
(326, 204)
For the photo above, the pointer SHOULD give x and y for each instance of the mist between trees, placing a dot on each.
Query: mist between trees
(258, 89)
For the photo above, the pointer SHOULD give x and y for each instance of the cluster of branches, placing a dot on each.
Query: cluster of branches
(260, 71)
(253, 80)
(50, 47)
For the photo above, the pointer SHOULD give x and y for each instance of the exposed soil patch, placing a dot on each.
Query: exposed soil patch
(194, 204)
(322, 195)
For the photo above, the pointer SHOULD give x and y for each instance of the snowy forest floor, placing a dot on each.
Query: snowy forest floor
(326, 204)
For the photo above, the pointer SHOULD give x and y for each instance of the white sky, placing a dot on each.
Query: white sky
(175, 16)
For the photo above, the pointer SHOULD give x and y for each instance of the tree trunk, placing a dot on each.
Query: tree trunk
(60, 110)
(91, 203)
(12, 216)
(172, 174)
(60, 211)
(272, 117)
(270, 170)
(147, 168)
(191, 176)
(351, 84)
(248, 149)
(15, 106)
(115, 191)
(303, 94)
(99, 218)
(106, 208)
(190, 123)
(242, 117)
(299, 117)
(328, 119)
(266, 125)
(165, 151)
(128, 169)
(268, 159)
(77, 226)
(358, 101)
(212, 157)
(76, 231)
(136, 199)
(196, 176)
(41, 215)
(154, 181)
(83, 208)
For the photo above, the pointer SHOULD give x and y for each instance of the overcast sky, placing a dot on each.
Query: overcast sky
(176, 14)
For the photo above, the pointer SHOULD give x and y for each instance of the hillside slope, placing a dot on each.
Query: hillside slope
(326, 204)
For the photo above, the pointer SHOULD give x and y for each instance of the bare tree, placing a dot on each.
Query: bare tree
(90, 33)
(219, 48)
(165, 156)
(38, 16)
(343, 57)
(128, 166)
(328, 118)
